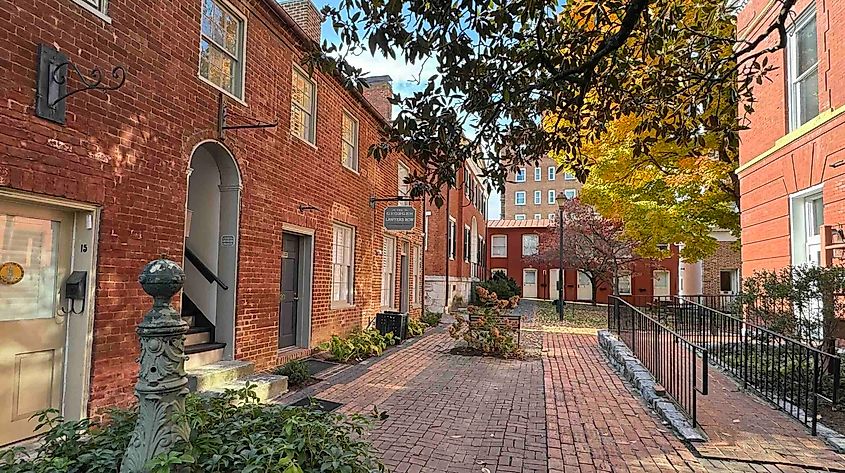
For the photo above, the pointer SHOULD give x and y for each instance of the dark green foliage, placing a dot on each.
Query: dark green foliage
(432, 319)
(358, 345)
(503, 286)
(231, 433)
(295, 370)
(415, 327)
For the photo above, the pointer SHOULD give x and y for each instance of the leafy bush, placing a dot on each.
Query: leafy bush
(486, 332)
(230, 433)
(432, 319)
(359, 345)
(415, 327)
(295, 370)
(503, 286)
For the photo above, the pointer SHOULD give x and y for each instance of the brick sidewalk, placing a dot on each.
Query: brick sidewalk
(450, 413)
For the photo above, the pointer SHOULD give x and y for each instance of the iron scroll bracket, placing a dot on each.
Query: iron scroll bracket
(53, 75)
(222, 120)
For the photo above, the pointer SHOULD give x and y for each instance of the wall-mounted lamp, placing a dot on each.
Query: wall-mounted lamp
(307, 208)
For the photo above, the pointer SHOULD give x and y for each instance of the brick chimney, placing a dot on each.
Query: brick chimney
(378, 93)
(306, 15)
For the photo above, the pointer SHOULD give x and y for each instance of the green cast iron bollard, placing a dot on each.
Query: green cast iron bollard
(162, 382)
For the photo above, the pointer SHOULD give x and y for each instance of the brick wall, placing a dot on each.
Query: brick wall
(726, 257)
(796, 161)
(128, 151)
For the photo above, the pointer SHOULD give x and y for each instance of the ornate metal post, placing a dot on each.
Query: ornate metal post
(162, 383)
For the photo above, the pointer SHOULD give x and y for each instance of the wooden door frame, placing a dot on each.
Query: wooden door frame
(306, 279)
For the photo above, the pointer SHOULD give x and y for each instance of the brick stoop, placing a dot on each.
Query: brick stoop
(216, 378)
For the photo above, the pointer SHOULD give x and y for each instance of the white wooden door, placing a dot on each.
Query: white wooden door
(529, 283)
(585, 287)
(661, 283)
(554, 292)
(35, 245)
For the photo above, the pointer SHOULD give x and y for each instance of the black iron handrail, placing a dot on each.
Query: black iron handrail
(787, 372)
(673, 360)
(206, 272)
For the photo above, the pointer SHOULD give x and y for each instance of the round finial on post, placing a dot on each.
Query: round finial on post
(161, 279)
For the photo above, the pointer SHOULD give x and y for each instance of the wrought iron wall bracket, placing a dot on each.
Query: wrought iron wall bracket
(52, 77)
(222, 120)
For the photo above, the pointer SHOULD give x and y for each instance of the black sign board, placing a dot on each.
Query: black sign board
(400, 218)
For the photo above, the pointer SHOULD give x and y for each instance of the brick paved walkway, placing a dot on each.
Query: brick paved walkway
(567, 411)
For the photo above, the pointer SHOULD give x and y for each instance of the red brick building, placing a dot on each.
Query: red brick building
(511, 244)
(455, 238)
(273, 225)
(719, 273)
(792, 158)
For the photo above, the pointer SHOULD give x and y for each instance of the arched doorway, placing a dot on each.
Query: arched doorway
(211, 253)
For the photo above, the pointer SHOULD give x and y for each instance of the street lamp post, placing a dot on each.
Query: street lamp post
(561, 199)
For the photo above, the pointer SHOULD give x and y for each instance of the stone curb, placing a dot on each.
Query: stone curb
(624, 361)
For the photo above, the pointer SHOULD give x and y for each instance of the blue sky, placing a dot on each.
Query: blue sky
(406, 79)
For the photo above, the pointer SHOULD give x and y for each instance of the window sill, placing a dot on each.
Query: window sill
(222, 90)
(494, 256)
(94, 11)
(353, 171)
(306, 142)
(341, 305)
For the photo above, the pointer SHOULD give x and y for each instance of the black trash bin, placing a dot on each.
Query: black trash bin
(391, 321)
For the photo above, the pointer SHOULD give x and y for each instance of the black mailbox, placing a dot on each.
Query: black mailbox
(75, 285)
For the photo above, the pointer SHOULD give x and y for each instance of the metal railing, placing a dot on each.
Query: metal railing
(677, 364)
(791, 374)
(654, 306)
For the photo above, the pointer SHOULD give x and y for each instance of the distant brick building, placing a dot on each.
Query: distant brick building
(792, 157)
(273, 226)
(511, 244)
(719, 273)
(530, 193)
(456, 238)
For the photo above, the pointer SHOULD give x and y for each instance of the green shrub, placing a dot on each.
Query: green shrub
(415, 327)
(295, 370)
(230, 433)
(486, 332)
(503, 286)
(432, 319)
(359, 345)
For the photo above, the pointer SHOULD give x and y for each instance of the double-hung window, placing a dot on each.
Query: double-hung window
(552, 173)
(807, 217)
(388, 271)
(520, 175)
(538, 174)
(519, 217)
(552, 196)
(349, 142)
(221, 47)
(303, 107)
(519, 198)
(97, 7)
(538, 197)
(803, 69)
(343, 264)
(403, 173)
(568, 176)
(467, 243)
(530, 244)
(453, 244)
(570, 193)
(499, 246)
(624, 283)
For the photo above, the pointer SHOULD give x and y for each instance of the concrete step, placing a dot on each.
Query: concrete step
(198, 336)
(203, 354)
(189, 319)
(218, 374)
(266, 386)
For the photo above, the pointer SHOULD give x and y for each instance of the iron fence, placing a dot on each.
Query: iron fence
(791, 374)
(679, 365)
(657, 307)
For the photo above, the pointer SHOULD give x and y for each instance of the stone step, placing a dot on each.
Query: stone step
(265, 386)
(198, 336)
(203, 354)
(214, 375)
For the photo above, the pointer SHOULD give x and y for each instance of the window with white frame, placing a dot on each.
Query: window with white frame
(624, 283)
(519, 198)
(807, 216)
(538, 197)
(520, 175)
(568, 176)
(349, 142)
(538, 174)
(519, 217)
(552, 173)
(499, 246)
(221, 46)
(803, 69)
(552, 196)
(98, 7)
(467, 243)
(388, 271)
(453, 244)
(404, 188)
(552, 216)
(570, 193)
(343, 264)
(303, 107)
(425, 229)
(530, 244)
(416, 285)
(538, 216)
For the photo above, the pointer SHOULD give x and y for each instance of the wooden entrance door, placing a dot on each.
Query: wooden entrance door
(289, 291)
(529, 283)
(35, 247)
